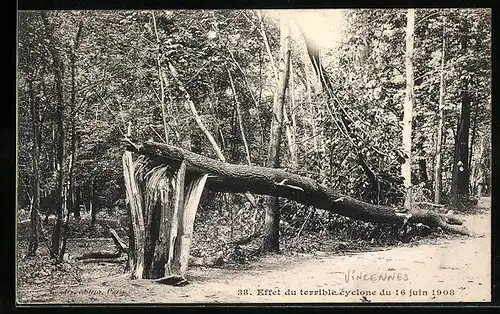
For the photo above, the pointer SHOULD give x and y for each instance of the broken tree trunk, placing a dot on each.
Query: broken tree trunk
(178, 200)
(186, 224)
(227, 177)
(135, 200)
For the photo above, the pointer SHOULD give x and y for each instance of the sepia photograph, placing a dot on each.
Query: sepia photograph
(253, 156)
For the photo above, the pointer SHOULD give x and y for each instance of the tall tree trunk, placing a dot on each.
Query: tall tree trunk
(438, 175)
(160, 77)
(271, 221)
(460, 176)
(480, 169)
(422, 168)
(35, 208)
(93, 204)
(471, 145)
(408, 107)
(57, 68)
(290, 124)
(240, 122)
(266, 44)
(70, 188)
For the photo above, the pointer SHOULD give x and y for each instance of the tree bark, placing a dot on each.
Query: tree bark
(178, 202)
(160, 77)
(460, 176)
(93, 204)
(225, 177)
(471, 147)
(438, 177)
(266, 44)
(408, 107)
(422, 168)
(35, 208)
(196, 116)
(135, 200)
(290, 124)
(57, 68)
(71, 183)
(240, 122)
(186, 224)
(271, 221)
(161, 248)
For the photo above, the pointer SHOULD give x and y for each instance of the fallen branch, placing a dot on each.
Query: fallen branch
(122, 247)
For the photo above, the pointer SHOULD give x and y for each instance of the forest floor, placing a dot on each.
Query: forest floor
(449, 268)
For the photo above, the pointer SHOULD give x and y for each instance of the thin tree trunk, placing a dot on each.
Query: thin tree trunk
(473, 135)
(293, 127)
(408, 107)
(271, 221)
(460, 175)
(266, 44)
(93, 204)
(196, 116)
(65, 227)
(290, 124)
(71, 183)
(200, 123)
(438, 176)
(35, 208)
(162, 89)
(240, 122)
(57, 67)
(479, 167)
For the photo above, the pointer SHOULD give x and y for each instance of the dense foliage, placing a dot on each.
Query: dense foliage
(123, 72)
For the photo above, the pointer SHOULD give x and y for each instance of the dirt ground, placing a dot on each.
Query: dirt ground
(455, 269)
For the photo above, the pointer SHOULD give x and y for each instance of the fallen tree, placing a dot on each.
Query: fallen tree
(233, 178)
(164, 186)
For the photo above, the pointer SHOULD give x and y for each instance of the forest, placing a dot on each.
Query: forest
(151, 140)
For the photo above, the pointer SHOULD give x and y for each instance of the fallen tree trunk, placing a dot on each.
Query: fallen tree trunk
(233, 178)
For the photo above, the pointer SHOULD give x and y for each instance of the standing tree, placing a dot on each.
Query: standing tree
(271, 223)
(460, 175)
(408, 107)
(30, 65)
(57, 68)
(438, 176)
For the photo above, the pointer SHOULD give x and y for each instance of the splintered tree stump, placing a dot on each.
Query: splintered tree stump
(135, 202)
